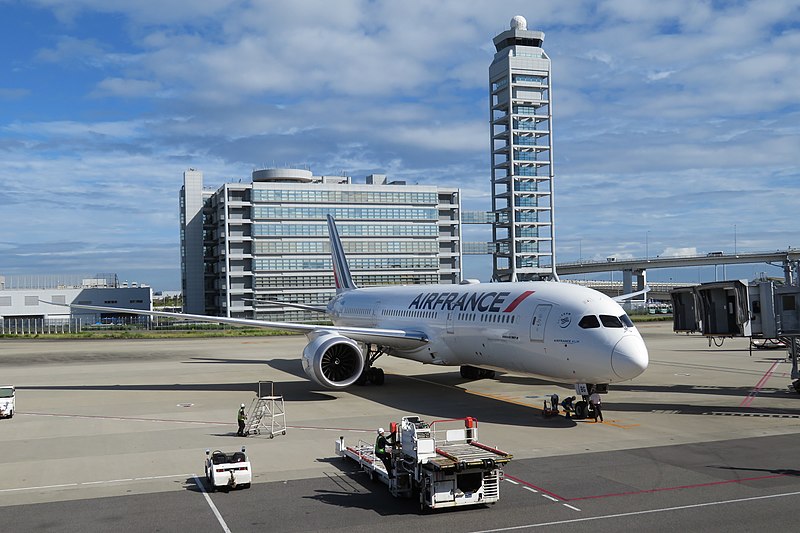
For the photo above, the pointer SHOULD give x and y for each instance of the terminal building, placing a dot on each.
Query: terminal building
(522, 156)
(23, 300)
(244, 245)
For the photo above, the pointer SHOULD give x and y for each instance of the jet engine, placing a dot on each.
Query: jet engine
(333, 361)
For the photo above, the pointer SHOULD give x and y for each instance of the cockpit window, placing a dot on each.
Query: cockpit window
(589, 321)
(610, 321)
(626, 320)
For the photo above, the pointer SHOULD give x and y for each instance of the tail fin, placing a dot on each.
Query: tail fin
(341, 270)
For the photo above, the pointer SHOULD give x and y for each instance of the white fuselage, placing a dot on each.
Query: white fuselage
(538, 328)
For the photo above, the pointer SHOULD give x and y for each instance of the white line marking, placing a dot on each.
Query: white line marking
(96, 482)
(550, 497)
(571, 507)
(41, 487)
(634, 513)
(530, 489)
(161, 477)
(211, 504)
(512, 481)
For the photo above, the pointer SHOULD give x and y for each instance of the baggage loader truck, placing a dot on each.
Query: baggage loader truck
(441, 464)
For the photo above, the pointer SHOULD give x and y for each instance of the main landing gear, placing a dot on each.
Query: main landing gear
(371, 374)
(473, 372)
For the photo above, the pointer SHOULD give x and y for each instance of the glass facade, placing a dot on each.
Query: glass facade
(343, 213)
(268, 240)
(344, 197)
(321, 230)
(318, 247)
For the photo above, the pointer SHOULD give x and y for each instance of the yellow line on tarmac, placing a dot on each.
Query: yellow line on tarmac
(502, 399)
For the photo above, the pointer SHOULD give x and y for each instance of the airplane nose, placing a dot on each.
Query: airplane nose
(629, 358)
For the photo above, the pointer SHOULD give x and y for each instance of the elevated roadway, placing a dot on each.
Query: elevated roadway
(636, 269)
(782, 257)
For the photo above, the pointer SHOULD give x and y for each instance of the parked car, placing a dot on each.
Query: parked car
(7, 401)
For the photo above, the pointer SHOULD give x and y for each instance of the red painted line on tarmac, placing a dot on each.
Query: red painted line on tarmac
(540, 489)
(763, 381)
(681, 487)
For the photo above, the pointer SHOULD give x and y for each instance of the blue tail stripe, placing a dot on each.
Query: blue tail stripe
(341, 270)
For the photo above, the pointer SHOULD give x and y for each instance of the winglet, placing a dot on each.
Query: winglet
(341, 270)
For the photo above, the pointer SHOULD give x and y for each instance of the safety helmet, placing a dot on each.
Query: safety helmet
(380, 430)
(242, 405)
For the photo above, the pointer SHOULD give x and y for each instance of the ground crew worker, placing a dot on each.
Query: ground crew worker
(594, 399)
(382, 453)
(568, 405)
(554, 403)
(241, 417)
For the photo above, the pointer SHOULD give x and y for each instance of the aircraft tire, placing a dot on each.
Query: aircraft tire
(378, 376)
(581, 410)
(470, 372)
(797, 385)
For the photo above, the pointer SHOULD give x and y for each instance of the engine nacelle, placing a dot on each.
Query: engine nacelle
(333, 361)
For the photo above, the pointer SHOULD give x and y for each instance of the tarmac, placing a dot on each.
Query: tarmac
(113, 433)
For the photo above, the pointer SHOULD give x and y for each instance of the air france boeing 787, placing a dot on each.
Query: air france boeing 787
(559, 331)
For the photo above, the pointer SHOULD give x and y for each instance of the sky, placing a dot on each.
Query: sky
(676, 124)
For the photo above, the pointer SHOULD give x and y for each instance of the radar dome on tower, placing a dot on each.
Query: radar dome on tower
(519, 23)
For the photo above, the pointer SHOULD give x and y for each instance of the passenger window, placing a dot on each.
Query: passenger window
(626, 320)
(589, 322)
(610, 321)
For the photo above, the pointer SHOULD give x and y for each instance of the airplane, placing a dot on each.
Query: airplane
(560, 331)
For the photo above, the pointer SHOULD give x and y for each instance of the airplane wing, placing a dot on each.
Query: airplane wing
(396, 338)
(622, 297)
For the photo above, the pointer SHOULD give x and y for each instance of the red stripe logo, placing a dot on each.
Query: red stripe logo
(513, 305)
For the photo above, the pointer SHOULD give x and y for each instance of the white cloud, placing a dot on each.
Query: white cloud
(679, 252)
(127, 88)
(675, 118)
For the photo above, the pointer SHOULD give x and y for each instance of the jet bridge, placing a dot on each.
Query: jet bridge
(761, 310)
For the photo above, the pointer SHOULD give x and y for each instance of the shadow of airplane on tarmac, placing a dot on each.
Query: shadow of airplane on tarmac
(777, 471)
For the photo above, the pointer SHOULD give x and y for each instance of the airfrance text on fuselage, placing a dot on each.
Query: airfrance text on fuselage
(480, 301)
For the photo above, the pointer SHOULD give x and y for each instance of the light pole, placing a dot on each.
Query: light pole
(734, 239)
(647, 245)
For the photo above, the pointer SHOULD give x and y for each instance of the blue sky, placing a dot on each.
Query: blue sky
(676, 124)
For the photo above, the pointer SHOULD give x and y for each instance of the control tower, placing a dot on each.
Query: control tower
(522, 156)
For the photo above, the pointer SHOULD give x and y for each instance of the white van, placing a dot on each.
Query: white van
(7, 401)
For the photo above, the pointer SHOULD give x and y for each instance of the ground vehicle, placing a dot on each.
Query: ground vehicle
(228, 470)
(7, 401)
(439, 464)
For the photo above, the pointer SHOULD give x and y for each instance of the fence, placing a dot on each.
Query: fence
(39, 326)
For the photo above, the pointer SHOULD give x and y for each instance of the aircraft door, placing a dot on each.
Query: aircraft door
(450, 322)
(539, 321)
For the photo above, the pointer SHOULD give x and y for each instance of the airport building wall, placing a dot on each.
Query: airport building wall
(30, 303)
(267, 240)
